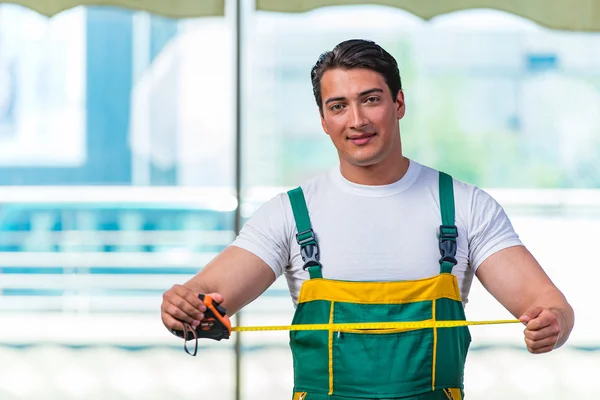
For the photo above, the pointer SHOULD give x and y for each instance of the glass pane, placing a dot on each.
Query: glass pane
(494, 100)
(116, 182)
(468, 84)
(42, 95)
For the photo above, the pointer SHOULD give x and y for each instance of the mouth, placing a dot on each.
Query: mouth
(362, 139)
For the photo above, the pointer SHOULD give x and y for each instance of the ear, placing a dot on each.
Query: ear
(400, 105)
(323, 124)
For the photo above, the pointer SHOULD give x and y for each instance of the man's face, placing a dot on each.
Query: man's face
(360, 115)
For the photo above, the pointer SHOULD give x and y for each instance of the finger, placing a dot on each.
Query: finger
(186, 308)
(530, 314)
(540, 344)
(184, 304)
(189, 296)
(173, 323)
(218, 297)
(178, 313)
(542, 350)
(545, 319)
(552, 330)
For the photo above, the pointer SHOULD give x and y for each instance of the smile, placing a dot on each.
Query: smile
(361, 140)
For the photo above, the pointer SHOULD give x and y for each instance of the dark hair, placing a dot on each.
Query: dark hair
(356, 53)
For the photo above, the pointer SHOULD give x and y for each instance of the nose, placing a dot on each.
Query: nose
(358, 119)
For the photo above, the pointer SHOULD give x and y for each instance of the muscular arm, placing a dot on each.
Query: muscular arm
(240, 273)
(237, 274)
(515, 278)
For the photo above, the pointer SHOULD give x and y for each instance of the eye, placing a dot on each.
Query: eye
(372, 99)
(336, 107)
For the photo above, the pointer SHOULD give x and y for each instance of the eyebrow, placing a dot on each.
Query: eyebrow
(361, 94)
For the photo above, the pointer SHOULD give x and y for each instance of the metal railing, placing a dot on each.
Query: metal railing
(75, 274)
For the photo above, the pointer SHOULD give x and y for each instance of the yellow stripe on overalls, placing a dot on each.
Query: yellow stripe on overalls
(371, 325)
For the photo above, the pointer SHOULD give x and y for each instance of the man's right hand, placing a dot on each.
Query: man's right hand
(181, 305)
(241, 275)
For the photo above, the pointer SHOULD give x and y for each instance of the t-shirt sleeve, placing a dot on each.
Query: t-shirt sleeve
(266, 233)
(490, 229)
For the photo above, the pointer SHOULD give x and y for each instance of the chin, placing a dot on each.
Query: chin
(364, 161)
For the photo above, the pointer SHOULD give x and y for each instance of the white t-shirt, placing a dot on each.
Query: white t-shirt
(378, 233)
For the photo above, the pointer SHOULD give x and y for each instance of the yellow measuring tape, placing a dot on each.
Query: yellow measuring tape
(371, 325)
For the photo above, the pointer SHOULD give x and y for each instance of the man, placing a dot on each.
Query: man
(362, 243)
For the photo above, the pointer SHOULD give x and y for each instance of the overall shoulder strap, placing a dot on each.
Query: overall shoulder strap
(448, 232)
(309, 248)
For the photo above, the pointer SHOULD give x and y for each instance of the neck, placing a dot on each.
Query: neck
(391, 170)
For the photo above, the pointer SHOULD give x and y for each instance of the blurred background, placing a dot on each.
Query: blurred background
(117, 180)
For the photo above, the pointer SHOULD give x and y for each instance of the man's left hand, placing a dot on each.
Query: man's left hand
(542, 329)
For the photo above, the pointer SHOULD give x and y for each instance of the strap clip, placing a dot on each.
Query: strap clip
(303, 239)
(309, 249)
(448, 247)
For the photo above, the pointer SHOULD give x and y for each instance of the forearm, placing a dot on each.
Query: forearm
(518, 282)
(238, 275)
(198, 285)
(206, 282)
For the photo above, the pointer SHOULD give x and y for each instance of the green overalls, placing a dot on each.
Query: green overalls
(424, 363)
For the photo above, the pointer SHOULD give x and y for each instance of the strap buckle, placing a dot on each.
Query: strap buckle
(309, 249)
(448, 247)
(305, 239)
